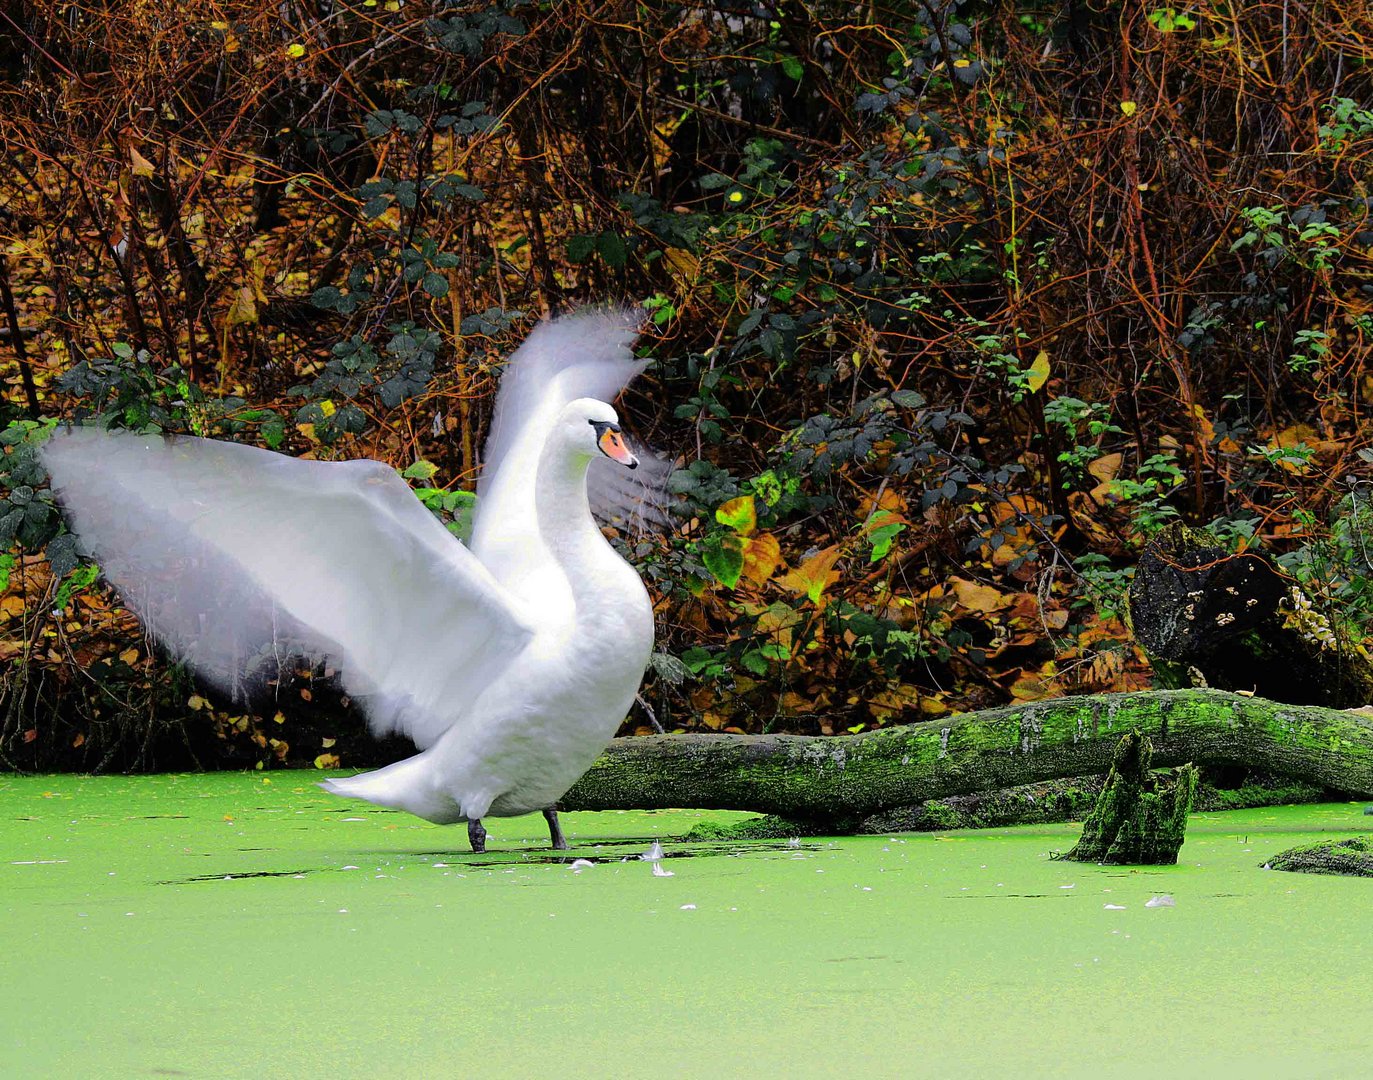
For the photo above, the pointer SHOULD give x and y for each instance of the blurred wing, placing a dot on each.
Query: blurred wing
(636, 500)
(583, 355)
(240, 561)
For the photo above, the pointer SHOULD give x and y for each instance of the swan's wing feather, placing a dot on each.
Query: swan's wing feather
(584, 355)
(241, 561)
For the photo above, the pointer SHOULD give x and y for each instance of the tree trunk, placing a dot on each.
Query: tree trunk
(841, 780)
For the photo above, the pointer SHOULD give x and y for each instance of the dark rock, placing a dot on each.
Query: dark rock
(1235, 622)
(1352, 857)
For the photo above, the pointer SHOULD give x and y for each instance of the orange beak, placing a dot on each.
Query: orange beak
(613, 446)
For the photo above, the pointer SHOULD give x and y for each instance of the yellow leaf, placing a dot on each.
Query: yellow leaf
(1107, 467)
(893, 699)
(776, 619)
(814, 575)
(1204, 425)
(1038, 374)
(13, 606)
(196, 702)
(762, 553)
(1028, 688)
(327, 743)
(129, 656)
(243, 311)
(141, 165)
(280, 717)
(1128, 108)
(295, 50)
(327, 761)
(714, 720)
(328, 408)
(738, 514)
(684, 264)
(976, 597)
(793, 703)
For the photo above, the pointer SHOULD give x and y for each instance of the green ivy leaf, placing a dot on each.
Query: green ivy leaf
(754, 662)
(724, 558)
(579, 248)
(882, 538)
(420, 470)
(611, 245)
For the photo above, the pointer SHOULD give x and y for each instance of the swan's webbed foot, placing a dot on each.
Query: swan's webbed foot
(555, 831)
(476, 836)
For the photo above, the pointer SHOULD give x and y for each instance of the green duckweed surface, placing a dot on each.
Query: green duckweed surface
(245, 925)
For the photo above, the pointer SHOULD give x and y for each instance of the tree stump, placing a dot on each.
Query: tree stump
(1136, 821)
(1240, 623)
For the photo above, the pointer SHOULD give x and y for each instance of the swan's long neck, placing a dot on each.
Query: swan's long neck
(569, 530)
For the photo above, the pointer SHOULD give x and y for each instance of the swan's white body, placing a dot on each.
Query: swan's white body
(529, 734)
(510, 664)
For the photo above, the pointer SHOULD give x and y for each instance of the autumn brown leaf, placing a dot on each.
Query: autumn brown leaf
(762, 554)
(141, 165)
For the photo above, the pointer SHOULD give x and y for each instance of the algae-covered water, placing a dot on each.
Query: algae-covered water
(247, 925)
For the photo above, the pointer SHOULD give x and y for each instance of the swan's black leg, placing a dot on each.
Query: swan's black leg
(476, 836)
(555, 831)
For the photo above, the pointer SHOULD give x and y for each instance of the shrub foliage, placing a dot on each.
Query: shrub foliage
(952, 305)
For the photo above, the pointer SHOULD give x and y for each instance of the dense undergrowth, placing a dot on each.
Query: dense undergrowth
(951, 306)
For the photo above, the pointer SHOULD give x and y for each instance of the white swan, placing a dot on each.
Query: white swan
(510, 664)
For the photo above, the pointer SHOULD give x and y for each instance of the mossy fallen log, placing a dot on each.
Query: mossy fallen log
(1353, 857)
(1138, 819)
(836, 783)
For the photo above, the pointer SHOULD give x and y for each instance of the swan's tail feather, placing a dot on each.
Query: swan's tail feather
(406, 785)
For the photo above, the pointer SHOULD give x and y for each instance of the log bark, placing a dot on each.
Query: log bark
(844, 779)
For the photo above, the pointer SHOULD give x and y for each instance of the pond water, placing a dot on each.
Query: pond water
(247, 924)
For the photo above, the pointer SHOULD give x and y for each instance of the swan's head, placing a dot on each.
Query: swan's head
(593, 426)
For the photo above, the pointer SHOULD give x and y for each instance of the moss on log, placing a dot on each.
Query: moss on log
(1353, 856)
(1137, 821)
(841, 781)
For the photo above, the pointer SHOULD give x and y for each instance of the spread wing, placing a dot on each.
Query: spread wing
(241, 561)
(583, 355)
